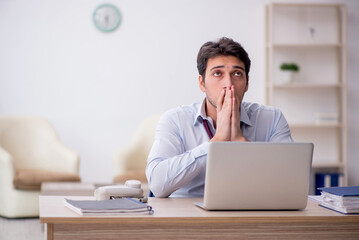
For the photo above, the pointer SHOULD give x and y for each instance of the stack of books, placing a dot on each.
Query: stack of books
(341, 199)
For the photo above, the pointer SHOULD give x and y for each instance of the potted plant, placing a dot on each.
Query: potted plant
(288, 70)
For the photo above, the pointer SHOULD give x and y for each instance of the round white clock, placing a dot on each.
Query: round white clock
(106, 17)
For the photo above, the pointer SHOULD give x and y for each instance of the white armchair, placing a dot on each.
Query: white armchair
(130, 162)
(29, 143)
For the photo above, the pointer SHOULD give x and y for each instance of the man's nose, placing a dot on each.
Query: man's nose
(228, 81)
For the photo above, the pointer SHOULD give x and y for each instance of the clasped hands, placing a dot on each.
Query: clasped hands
(228, 117)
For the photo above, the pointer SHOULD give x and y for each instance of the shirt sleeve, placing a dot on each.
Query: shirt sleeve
(170, 165)
(280, 130)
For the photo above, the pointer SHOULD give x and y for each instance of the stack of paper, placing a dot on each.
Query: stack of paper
(341, 199)
(108, 207)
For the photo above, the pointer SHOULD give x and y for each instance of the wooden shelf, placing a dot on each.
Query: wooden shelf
(304, 45)
(323, 164)
(315, 125)
(306, 5)
(304, 85)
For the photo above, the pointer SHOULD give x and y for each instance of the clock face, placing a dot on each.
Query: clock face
(106, 17)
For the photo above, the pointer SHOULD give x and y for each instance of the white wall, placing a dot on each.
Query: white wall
(96, 87)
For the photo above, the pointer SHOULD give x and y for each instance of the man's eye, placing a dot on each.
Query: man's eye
(238, 74)
(216, 74)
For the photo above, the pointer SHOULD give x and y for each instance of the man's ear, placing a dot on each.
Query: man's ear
(201, 83)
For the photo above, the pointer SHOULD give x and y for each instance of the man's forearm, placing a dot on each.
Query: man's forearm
(166, 175)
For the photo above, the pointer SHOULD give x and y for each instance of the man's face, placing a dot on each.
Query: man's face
(223, 72)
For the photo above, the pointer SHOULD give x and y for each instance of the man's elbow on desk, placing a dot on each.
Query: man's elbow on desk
(158, 190)
(157, 187)
(156, 174)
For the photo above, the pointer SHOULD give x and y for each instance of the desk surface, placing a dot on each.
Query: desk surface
(53, 210)
(180, 219)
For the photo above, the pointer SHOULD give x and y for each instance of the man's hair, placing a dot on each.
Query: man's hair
(223, 47)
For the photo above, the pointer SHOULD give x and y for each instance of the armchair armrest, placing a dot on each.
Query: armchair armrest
(7, 169)
(12, 203)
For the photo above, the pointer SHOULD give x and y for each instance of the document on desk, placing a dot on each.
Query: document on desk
(108, 207)
(341, 199)
(316, 198)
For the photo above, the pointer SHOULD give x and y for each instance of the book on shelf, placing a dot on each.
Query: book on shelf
(108, 207)
(327, 180)
(341, 199)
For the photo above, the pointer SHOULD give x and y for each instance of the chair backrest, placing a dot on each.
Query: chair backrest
(133, 157)
(26, 138)
(143, 140)
(145, 135)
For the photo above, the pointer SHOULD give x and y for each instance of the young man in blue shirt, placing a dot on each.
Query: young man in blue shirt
(177, 161)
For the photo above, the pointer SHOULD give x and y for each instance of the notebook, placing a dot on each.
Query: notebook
(107, 207)
(257, 176)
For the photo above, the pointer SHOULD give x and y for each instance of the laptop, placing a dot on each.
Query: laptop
(257, 176)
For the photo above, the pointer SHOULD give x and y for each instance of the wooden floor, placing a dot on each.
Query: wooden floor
(21, 229)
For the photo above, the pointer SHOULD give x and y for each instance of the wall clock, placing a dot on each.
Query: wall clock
(106, 17)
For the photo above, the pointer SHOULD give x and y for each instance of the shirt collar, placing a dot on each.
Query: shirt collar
(201, 114)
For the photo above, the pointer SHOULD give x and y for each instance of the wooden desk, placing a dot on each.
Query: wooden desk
(180, 219)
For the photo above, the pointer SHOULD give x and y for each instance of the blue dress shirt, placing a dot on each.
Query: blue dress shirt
(177, 161)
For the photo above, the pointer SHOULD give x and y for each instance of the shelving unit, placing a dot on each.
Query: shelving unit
(314, 37)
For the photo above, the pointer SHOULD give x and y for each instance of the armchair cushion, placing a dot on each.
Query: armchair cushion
(31, 179)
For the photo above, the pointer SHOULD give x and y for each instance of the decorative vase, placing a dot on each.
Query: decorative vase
(287, 77)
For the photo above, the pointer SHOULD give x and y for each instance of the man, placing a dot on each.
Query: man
(177, 161)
